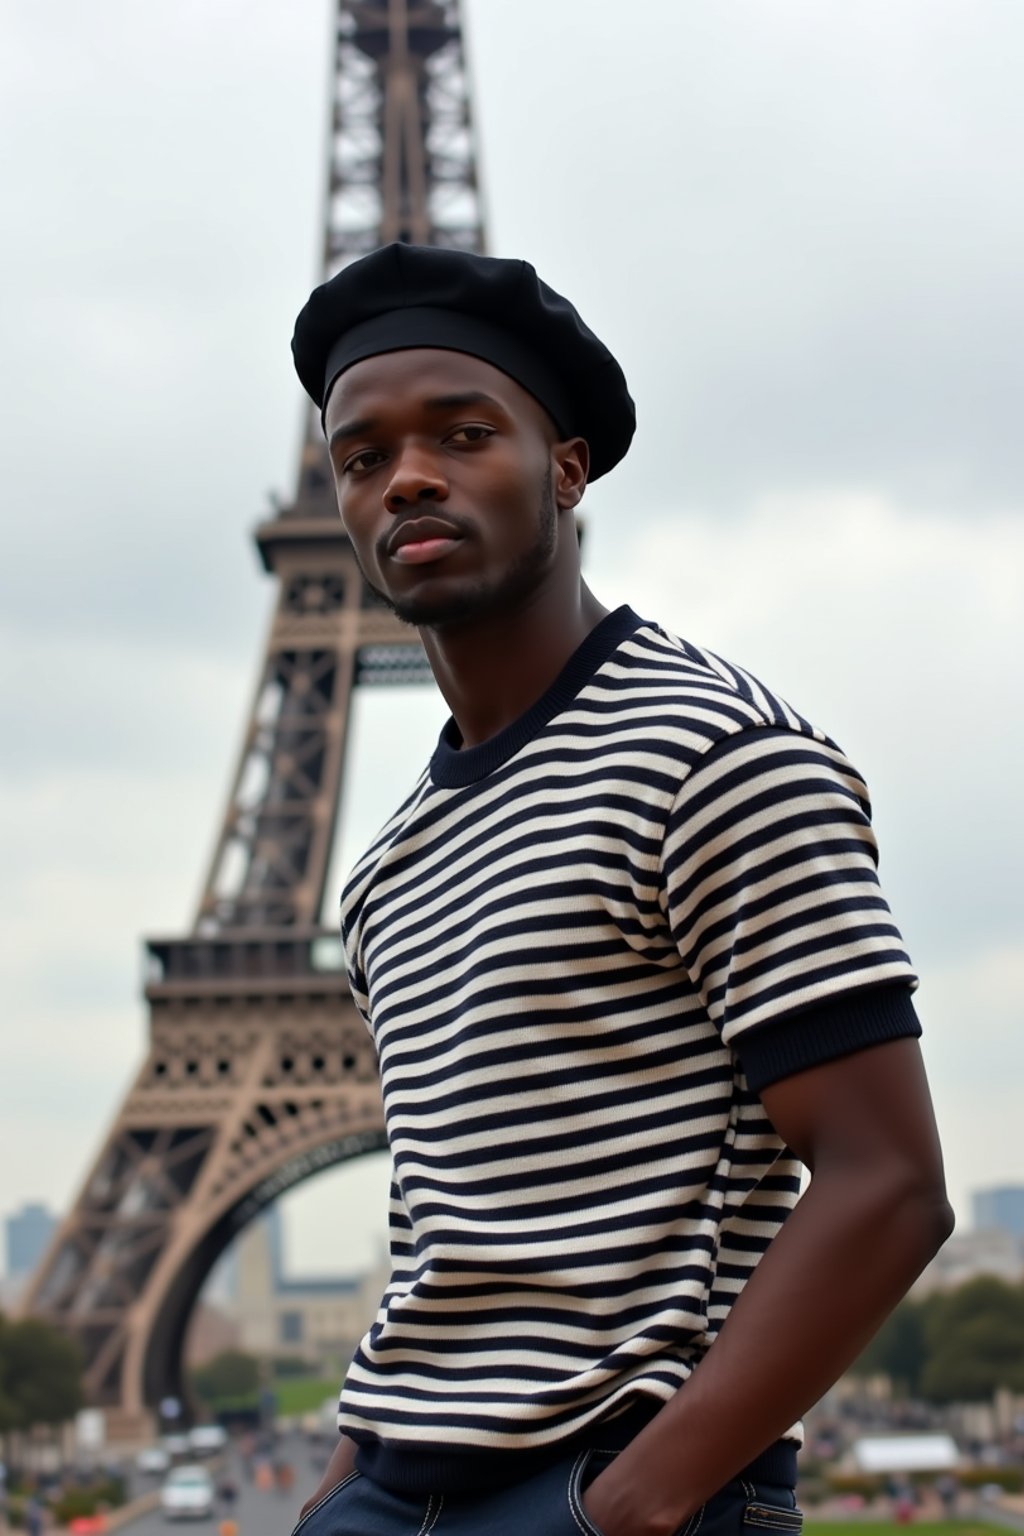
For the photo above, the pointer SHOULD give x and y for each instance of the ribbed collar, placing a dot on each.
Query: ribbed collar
(453, 766)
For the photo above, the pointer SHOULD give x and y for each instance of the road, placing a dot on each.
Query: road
(256, 1513)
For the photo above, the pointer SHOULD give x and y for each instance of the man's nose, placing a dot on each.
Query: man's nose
(416, 476)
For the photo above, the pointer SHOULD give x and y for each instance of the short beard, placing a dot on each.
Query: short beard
(487, 598)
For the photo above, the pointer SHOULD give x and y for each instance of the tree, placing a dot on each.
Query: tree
(230, 1374)
(8, 1407)
(974, 1363)
(40, 1375)
(975, 1342)
(898, 1349)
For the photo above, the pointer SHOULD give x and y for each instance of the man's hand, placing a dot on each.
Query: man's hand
(616, 1510)
(873, 1215)
(342, 1462)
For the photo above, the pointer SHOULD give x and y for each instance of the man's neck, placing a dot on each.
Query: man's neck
(493, 670)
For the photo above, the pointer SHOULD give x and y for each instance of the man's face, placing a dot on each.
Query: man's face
(443, 468)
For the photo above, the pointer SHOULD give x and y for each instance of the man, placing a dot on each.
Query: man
(621, 949)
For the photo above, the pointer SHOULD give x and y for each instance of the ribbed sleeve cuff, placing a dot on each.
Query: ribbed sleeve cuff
(824, 1032)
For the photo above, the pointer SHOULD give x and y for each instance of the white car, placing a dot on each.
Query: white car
(208, 1439)
(153, 1461)
(188, 1494)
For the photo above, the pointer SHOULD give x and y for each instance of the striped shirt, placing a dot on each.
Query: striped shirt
(582, 948)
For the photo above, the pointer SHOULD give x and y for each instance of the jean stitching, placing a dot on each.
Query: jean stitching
(327, 1496)
(576, 1509)
(696, 1521)
(431, 1516)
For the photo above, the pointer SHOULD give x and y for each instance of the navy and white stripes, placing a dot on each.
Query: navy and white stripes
(582, 948)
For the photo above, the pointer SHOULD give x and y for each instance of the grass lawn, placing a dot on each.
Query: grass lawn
(868, 1527)
(303, 1394)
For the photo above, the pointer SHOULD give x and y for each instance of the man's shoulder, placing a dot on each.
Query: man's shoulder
(685, 684)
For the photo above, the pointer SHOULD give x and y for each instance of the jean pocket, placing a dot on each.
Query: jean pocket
(328, 1498)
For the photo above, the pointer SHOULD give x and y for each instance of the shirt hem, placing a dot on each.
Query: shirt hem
(423, 1470)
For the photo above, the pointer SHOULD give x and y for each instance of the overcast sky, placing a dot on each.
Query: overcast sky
(799, 225)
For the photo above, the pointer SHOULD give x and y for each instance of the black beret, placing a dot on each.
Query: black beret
(403, 296)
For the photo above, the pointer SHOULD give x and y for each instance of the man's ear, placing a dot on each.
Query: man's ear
(571, 461)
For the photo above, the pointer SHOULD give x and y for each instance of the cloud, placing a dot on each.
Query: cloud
(797, 232)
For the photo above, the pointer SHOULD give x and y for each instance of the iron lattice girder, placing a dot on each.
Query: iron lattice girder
(402, 164)
(260, 1071)
(277, 831)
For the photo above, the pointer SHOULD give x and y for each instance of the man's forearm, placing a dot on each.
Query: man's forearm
(846, 1255)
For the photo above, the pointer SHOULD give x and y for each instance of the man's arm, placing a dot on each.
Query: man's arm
(342, 1462)
(873, 1215)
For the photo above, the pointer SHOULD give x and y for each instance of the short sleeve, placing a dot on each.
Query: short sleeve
(770, 888)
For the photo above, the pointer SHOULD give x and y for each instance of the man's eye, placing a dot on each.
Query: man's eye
(363, 460)
(470, 434)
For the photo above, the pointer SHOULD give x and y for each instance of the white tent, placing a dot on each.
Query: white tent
(905, 1453)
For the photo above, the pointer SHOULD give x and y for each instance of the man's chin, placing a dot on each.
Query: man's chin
(447, 613)
(461, 609)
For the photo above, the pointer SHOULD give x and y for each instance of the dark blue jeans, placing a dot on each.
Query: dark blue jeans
(548, 1503)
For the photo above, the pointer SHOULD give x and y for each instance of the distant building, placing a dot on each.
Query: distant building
(1001, 1209)
(11, 1289)
(28, 1232)
(210, 1333)
(967, 1255)
(316, 1318)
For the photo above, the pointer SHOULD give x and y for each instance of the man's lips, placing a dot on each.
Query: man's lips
(423, 550)
(423, 539)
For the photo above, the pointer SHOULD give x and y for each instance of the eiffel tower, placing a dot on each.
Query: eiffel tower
(259, 1071)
